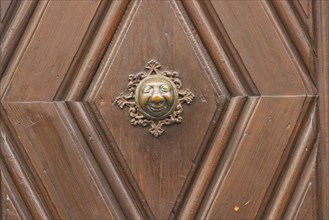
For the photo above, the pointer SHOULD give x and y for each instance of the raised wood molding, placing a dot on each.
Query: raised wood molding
(294, 166)
(212, 32)
(299, 36)
(322, 33)
(12, 29)
(22, 177)
(243, 156)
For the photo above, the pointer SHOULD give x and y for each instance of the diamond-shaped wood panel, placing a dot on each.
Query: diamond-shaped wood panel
(247, 145)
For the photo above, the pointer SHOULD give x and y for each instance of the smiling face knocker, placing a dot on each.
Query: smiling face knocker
(157, 98)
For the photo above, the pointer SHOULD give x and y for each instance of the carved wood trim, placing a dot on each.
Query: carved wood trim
(22, 178)
(293, 168)
(194, 196)
(287, 41)
(22, 45)
(99, 146)
(92, 50)
(13, 29)
(220, 48)
(322, 36)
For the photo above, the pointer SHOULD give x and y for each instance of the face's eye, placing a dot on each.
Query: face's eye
(147, 89)
(164, 88)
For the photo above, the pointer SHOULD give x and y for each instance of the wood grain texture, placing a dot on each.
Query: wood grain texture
(13, 206)
(260, 48)
(296, 32)
(22, 45)
(22, 177)
(293, 168)
(70, 153)
(49, 46)
(243, 187)
(92, 50)
(66, 168)
(5, 5)
(159, 170)
(322, 21)
(220, 47)
(194, 196)
(100, 149)
(304, 203)
(13, 28)
(302, 43)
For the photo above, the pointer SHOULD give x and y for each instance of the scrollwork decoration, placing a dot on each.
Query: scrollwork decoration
(154, 98)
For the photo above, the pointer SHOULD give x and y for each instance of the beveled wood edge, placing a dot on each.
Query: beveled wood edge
(220, 48)
(230, 148)
(14, 30)
(132, 186)
(99, 147)
(109, 56)
(23, 178)
(309, 101)
(302, 188)
(113, 150)
(208, 164)
(297, 7)
(92, 50)
(13, 194)
(115, 44)
(8, 16)
(21, 47)
(286, 39)
(90, 161)
(200, 50)
(294, 25)
(322, 36)
(205, 145)
(293, 162)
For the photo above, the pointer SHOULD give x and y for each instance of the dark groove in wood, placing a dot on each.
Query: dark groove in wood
(303, 186)
(297, 33)
(26, 164)
(8, 16)
(12, 33)
(293, 168)
(300, 12)
(207, 140)
(99, 148)
(322, 35)
(291, 49)
(80, 57)
(92, 50)
(199, 49)
(21, 177)
(22, 45)
(114, 152)
(193, 197)
(228, 155)
(303, 116)
(9, 186)
(220, 48)
(108, 197)
(110, 54)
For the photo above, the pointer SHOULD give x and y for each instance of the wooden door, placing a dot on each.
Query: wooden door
(253, 143)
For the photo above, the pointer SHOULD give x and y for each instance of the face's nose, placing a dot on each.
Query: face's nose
(157, 98)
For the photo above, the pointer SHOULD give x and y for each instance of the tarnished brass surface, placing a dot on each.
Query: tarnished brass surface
(155, 98)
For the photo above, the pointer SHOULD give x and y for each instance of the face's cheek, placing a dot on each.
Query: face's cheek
(144, 99)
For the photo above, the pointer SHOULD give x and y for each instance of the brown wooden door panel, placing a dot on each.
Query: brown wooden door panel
(251, 145)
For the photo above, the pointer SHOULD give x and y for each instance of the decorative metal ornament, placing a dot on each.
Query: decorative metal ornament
(155, 98)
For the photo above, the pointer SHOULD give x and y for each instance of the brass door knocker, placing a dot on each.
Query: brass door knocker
(155, 98)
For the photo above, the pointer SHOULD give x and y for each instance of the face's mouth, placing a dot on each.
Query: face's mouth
(157, 108)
